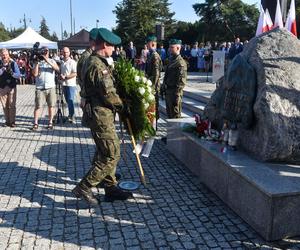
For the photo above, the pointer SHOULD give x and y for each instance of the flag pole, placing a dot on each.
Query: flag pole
(284, 9)
(143, 180)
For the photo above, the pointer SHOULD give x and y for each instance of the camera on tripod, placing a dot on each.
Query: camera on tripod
(38, 53)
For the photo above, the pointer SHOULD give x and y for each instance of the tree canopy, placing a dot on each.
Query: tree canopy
(137, 18)
(219, 20)
(44, 29)
(188, 32)
(4, 34)
(227, 19)
(54, 37)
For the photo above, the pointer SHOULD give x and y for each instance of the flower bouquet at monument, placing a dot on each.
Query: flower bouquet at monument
(137, 94)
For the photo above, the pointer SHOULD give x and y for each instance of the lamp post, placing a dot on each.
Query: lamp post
(24, 21)
(284, 9)
(97, 23)
(71, 17)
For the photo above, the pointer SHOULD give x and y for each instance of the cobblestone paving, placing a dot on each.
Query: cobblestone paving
(37, 210)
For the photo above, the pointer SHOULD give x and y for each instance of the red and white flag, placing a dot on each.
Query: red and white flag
(291, 19)
(278, 16)
(269, 20)
(262, 22)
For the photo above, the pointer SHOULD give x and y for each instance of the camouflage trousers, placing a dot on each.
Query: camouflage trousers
(174, 104)
(105, 161)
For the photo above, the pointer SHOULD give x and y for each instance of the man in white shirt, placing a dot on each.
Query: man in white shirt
(68, 70)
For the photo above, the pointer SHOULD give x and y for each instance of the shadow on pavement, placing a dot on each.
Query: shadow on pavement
(173, 206)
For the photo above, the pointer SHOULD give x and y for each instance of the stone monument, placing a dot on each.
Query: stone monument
(269, 97)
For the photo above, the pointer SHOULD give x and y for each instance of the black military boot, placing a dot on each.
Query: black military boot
(102, 183)
(114, 193)
(83, 191)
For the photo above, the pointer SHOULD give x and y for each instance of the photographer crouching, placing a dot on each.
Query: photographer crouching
(44, 72)
(9, 75)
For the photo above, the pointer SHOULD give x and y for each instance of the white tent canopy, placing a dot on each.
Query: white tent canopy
(27, 39)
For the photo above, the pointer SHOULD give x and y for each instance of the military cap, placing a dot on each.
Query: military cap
(175, 41)
(108, 36)
(151, 38)
(93, 34)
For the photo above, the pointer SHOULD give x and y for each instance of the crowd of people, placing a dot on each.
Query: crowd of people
(22, 58)
(46, 73)
(198, 56)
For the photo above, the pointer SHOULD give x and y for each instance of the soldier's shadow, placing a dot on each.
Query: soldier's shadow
(43, 208)
(69, 161)
(48, 208)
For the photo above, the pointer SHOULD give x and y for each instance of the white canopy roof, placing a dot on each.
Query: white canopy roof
(27, 39)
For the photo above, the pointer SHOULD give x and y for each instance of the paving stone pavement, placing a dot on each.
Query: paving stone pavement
(37, 210)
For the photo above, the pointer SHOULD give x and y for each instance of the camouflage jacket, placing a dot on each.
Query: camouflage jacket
(153, 68)
(81, 68)
(176, 74)
(101, 93)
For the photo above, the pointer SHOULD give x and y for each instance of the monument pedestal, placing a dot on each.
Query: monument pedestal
(266, 196)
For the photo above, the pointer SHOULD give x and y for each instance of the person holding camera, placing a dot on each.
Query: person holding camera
(9, 75)
(68, 73)
(44, 72)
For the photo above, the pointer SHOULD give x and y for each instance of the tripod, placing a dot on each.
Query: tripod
(59, 117)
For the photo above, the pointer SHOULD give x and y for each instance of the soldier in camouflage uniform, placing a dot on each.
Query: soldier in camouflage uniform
(104, 102)
(81, 62)
(153, 68)
(175, 80)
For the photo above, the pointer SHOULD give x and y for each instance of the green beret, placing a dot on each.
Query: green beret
(151, 38)
(109, 37)
(93, 34)
(175, 41)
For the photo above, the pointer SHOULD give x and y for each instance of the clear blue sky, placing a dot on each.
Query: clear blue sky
(58, 11)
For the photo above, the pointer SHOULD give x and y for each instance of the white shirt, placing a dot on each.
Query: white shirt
(66, 68)
(194, 52)
(46, 76)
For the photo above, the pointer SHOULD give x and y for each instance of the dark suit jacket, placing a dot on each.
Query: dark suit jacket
(131, 53)
(234, 50)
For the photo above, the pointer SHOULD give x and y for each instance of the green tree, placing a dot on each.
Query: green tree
(54, 37)
(44, 29)
(4, 34)
(16, 32)
(65, 35)
(188, 32)
(137, 18)
(227, 19)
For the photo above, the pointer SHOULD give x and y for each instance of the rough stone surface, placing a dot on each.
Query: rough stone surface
(275, 135)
